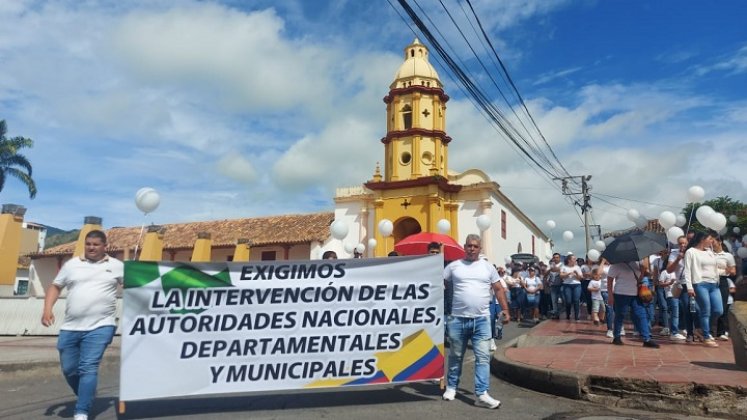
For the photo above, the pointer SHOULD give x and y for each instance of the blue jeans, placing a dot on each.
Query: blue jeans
(688, 318)
(661, 300)
(674, 307)
(462, 330)
(708, 297)
(572, 293)
(640, 320)
(609, 314)
(80, 355)
(495, 311)
(555, 293)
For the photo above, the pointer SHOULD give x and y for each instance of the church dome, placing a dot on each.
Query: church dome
(416, 70)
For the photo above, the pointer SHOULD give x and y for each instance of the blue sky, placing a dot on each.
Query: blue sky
(247, 108)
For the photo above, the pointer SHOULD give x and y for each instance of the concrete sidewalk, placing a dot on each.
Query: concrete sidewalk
(577, 360)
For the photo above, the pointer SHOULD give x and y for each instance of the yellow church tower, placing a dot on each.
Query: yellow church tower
(414, 192)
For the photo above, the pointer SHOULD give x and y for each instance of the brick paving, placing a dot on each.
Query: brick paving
(584, 348)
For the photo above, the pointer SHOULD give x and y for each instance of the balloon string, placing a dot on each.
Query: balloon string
(142, 227)
(690, 220)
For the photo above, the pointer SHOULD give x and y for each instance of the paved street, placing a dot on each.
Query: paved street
(42, 394)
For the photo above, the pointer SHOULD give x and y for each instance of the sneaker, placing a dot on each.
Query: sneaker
(536, 321)
(485, 400)
(622, 332)
(610, 334)
(723, 337)
(690, 339)
(710, 342)
(665, 332)
(492, 345)
(81, 417)
(617, 341)
(677, 337)
(449, 394)
(636, 334)
(650, 344)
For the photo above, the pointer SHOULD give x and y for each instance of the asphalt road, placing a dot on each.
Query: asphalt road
(43, 394)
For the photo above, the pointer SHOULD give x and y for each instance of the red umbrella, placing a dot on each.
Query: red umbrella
(417, 244)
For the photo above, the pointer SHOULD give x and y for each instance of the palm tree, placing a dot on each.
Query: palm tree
(12, 163)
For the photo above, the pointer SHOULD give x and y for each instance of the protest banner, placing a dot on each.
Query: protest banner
(210, 328)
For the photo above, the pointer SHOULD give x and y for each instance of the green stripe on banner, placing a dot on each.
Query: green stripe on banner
(188, 277)
(139, 273)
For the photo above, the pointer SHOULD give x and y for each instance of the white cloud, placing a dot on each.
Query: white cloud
(237, 168)
(731, 65)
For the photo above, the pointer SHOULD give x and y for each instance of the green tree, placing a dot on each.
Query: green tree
(724, 205)
(13, 163)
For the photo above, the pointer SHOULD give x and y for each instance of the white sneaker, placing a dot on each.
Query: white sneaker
(610, 334)
(449, 394)
(665, 331)
(677, 337)
(723, 337)
(485, 400)
(636, 333)
(81, 417)
(622, 332)
(492, 345)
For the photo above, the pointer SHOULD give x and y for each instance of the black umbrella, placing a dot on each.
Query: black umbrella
(634, 246)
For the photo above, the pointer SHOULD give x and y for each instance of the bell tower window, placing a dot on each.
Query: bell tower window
(407, 117)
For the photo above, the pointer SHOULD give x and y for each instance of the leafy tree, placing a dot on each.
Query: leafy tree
(725, 205)
(13, 163)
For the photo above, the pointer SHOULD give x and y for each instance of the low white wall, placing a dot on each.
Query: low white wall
(22, 316)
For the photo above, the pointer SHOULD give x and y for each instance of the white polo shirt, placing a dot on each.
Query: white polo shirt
(91, 292)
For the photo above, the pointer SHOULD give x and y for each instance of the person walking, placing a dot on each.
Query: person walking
(89, 324)
(571, 275)
(701, 277)
(472, 278)
(622, 282)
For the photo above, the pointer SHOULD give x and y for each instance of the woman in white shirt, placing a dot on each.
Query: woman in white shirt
(726, 268)
(701, 278)
(532, 290)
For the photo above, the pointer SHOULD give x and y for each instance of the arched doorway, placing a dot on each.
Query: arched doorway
(405, 227)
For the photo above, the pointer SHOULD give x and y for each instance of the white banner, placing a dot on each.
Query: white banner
(193, 329)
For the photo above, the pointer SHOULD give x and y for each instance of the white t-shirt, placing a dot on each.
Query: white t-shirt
(667, 280)
(586, 271)
(680, 266)
(625, 278)
(571, 279)
(532, 284)
(472, 282)
(91, 292)
(724, 260)
(595, 294)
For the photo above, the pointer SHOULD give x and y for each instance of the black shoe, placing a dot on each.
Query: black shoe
(650, 344)
(618, 341)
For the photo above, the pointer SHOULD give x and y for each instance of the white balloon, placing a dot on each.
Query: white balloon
(147, 199)
(507, 260)
(443, 226)
(608, 240)
(348, 247)
(695, 194)
(703, 214)
(372, 243)
(667, 219)
(733, 218)
(551, 224)
(483, 222)
(633, 215)
(718, 221)
(681, 220)
(339, 229)
(723, 231)
(360, 248)
(593, 254)
(736, 229)
(742, 252)
(386, 227)
(600, 246)
(568, 236)
(673, 233)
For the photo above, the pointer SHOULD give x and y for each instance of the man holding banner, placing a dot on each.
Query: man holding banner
(471, 279)
(89, 323)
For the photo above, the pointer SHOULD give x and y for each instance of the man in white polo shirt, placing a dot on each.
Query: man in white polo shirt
(89, 322)
(471, 279)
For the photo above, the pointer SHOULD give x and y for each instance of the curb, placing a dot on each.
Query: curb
(683, 398)
(34, 367)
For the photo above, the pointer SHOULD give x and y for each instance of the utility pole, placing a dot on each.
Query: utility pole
(585, 205)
